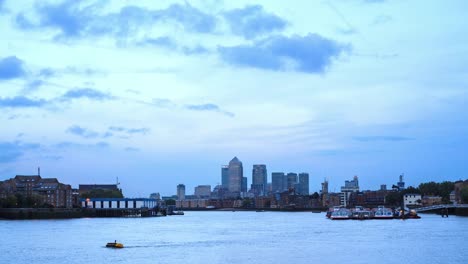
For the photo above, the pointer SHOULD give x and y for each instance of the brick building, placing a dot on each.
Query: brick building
(49, 190)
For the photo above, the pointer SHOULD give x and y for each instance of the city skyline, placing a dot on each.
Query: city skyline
(162, 93)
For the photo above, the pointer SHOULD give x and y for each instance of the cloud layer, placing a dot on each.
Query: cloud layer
(311, 54)
(11, 68)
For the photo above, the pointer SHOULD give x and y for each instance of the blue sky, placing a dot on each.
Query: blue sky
(165, 92)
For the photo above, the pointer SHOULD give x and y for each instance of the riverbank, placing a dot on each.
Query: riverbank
(40, 213)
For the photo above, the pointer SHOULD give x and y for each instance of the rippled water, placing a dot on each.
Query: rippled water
(236, 237)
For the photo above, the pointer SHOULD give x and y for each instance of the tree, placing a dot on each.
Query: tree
(464, 194)
(393, 198)
(315, 195)
(246, 203)
(9, 202)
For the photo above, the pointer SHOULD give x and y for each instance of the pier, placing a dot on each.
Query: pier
(121, 207)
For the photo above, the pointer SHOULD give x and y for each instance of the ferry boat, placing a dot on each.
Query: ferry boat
(361, 213)
(341, 214)
(383, 213)
(332, 209)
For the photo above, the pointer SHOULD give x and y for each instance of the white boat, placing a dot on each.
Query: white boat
(383, 213)
(341, 214)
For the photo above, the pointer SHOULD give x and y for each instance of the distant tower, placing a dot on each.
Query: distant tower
(244, 185)
(277, 182)
(401, 183)
(38, 171)
(181, 192)
(225, 176)
(236, 173)
(325, 186)
(291, 180)
(259, 179)
(304, 183)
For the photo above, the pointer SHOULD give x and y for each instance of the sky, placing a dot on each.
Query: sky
(157, 93)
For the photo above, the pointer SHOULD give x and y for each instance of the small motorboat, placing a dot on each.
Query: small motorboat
(114, 245)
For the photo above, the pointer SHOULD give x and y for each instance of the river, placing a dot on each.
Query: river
(236, 237)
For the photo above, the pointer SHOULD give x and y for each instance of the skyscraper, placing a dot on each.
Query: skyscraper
(324, 186)
(181, 192)
(203, 191)
(303, 183)
(225, 176)
(291, 179)
(277, 182)
(235, 175)
(259, 179)
(350, 187)
(244, 185)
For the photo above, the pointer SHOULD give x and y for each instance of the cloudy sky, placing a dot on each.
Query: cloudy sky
(158, 93)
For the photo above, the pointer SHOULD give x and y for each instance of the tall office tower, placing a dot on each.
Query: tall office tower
(324, 186)
(291, 179)
(350, 187)
(225, 176)
(277, 182)
(181, 192)
(401, 183)
(235, 175)
(244, 185)
(203, 191)
(259, 179)
(304, 183)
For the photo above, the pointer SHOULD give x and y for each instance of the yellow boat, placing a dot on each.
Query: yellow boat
(114, 245)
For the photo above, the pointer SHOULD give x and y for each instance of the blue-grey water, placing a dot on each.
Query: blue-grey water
(236, 237)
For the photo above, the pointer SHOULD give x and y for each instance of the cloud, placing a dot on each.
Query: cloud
(382, 19)
(83, 132)
(2, 7)
(160, 102)
(11, 68)
(73, 19)
(34, 85)
(381, 138)
(165, 42)
(68, 144)
(194, 50)
(21, 102)
(191, 18)
(311, 54)
(208, 107)
(373, 1)
(47, 72)
(131, 149)
(252, 21)
(143, 130)
(12, 151)
(88, 93)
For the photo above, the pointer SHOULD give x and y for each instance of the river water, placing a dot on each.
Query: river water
(236, 237)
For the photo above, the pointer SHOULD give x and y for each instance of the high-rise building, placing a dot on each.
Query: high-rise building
(244, 185)
(225, 176)
(203, 191)
(291, 179)
(350, 187)
(259, 179)
(401, 183)
(181, 192)
(277, 182)
(303, 184)
(235, 175)
(324, 187)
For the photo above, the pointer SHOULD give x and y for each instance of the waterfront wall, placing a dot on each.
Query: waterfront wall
(40, 213)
